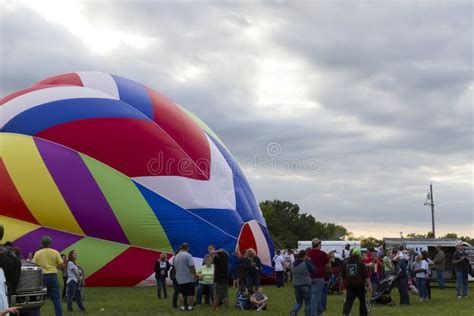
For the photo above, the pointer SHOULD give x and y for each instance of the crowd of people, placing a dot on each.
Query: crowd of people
(312, 272)
(368, 276)
(51, 263)
(211, 280)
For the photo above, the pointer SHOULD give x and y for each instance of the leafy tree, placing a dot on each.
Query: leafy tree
(287, 225)
(467, 239)
(451, 236)
(414, 235)
(368, 242)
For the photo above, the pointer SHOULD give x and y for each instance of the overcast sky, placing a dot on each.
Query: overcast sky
(349, 109)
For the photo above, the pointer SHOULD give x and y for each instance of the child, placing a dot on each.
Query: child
(259, 300)
(243, 299)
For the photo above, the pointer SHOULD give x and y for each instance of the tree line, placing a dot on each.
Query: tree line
(288, 225)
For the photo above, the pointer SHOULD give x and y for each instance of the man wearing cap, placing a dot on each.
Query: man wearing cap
(321, 262)
(354, 272)
(186, 277)
(461, 267)
(50, 260)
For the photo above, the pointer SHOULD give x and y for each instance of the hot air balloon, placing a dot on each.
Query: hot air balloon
(113, 169)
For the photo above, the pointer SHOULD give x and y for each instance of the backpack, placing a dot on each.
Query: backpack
(11, 265)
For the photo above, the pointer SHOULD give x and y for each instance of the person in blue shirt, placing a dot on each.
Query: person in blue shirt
(234, 264)
(242, 301)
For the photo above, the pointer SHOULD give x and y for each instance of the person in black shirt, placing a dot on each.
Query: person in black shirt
(221, 270)
(162, 266)
(173, 279)
(252, 266)
(356, 276)
(10, 265)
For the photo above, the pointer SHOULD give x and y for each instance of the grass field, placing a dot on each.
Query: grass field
(142, 301)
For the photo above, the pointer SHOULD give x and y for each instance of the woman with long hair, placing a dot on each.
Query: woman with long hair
(253, 266)
(73, 282)
(421, 270)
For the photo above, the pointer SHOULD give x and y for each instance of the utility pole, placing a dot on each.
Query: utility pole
(429, 201)
(432, 210)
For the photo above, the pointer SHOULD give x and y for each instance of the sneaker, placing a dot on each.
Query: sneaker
(459, 296)
(182, 308)
(190, 308)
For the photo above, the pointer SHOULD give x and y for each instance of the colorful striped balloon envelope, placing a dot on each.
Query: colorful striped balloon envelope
(112, 169)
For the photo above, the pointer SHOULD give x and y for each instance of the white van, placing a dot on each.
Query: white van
(328, 245)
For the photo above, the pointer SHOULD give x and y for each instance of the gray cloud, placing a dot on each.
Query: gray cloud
(393, 84)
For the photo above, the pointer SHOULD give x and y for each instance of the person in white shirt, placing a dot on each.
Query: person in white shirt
(421, 271)
(288, 260)
(425, 256)
(73, 281)
(279, 268)
(3, 291)
(3, 281)
(346, 252)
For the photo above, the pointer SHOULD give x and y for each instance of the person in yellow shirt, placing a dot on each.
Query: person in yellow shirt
(50, 260)
(206, 281)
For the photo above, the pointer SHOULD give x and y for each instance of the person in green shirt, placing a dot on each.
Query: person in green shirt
(206, 281)
(388, 267)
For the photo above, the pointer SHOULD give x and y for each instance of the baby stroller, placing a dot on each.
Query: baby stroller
(382, 294)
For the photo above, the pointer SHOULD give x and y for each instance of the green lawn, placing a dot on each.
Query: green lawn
(142, 301)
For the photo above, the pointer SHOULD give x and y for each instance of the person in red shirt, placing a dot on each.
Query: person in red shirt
(321, 261)
(368, 260)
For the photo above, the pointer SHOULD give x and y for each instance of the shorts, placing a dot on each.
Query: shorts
(187, 289)
(221, 291)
